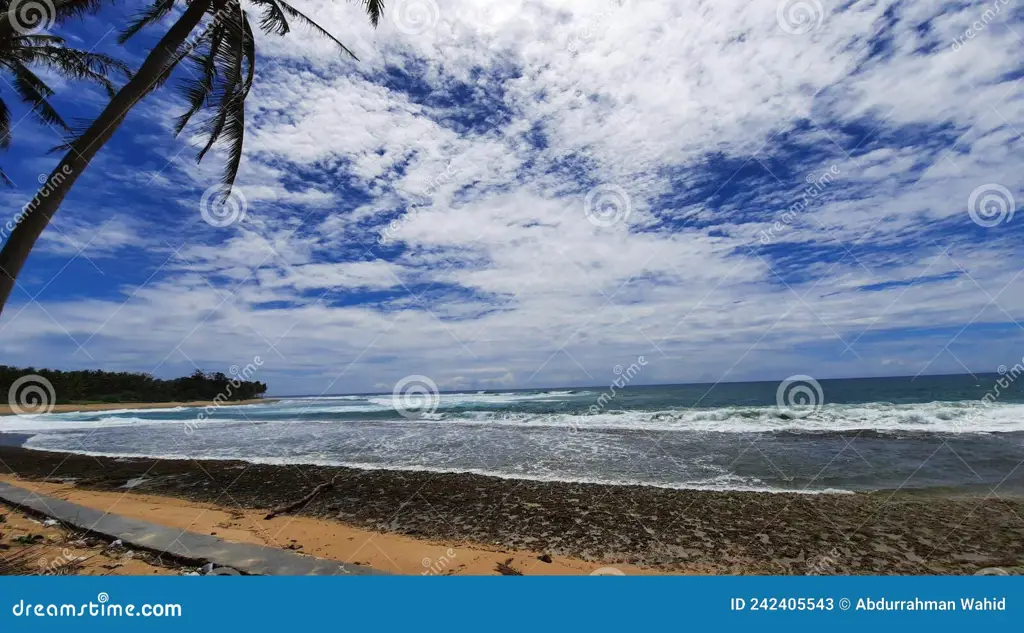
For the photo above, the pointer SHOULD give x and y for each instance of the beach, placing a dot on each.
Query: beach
(403, 519)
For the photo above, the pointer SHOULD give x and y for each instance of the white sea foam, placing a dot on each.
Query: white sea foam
(43, 423)
(723, 482)
(933, 417)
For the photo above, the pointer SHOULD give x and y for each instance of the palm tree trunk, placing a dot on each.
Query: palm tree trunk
(38, 212)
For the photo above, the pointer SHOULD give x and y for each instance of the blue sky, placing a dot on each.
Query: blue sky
(517, 194)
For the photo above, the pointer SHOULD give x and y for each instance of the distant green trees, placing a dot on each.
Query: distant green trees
(93, 385)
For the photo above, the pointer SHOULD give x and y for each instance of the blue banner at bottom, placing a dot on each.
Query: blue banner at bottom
(505, 603)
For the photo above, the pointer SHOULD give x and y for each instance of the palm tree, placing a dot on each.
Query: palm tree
(222, 50)
(21, 50)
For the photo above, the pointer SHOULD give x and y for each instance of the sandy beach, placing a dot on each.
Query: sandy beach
(398, 521)
(5, 409)
(323, 538)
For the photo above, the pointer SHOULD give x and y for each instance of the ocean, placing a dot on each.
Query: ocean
(812, 437)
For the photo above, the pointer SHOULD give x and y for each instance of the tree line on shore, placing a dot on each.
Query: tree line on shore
(93, 385)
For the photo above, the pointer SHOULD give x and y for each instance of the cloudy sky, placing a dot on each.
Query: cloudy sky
(528, 193)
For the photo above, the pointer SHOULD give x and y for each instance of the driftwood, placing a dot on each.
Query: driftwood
(291, 507)
(506, 569)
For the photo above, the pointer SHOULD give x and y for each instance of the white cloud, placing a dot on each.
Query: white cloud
(494, 276)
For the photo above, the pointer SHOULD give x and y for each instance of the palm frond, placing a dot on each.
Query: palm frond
(34, 92)
(374, 9)
(232, 136)
(197, 89)
(234, 130)
(5, 136)
(65, 10)
(231, 55)
(273, 20)
(151, 14)
(224, 58)
(295, 14)
(249, 51)
(76, 64)
(5, 125)
(75, 130)
(28, 41)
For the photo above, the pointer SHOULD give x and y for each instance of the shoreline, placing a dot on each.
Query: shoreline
(5, 409)
(664, 530)
(323, 538)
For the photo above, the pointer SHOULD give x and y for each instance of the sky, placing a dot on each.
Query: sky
(519, 194)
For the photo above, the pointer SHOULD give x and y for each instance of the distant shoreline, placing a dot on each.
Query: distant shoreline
(5, 409)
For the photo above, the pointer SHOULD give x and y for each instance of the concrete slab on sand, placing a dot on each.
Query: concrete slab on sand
(244, 557)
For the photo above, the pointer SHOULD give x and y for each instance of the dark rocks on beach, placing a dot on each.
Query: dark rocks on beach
(672, 530)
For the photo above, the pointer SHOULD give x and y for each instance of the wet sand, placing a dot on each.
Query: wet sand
(675, 531)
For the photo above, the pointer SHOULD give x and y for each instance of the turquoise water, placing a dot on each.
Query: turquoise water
(833, 435)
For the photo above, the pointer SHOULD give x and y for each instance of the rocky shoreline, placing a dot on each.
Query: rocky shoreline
(685, 531)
